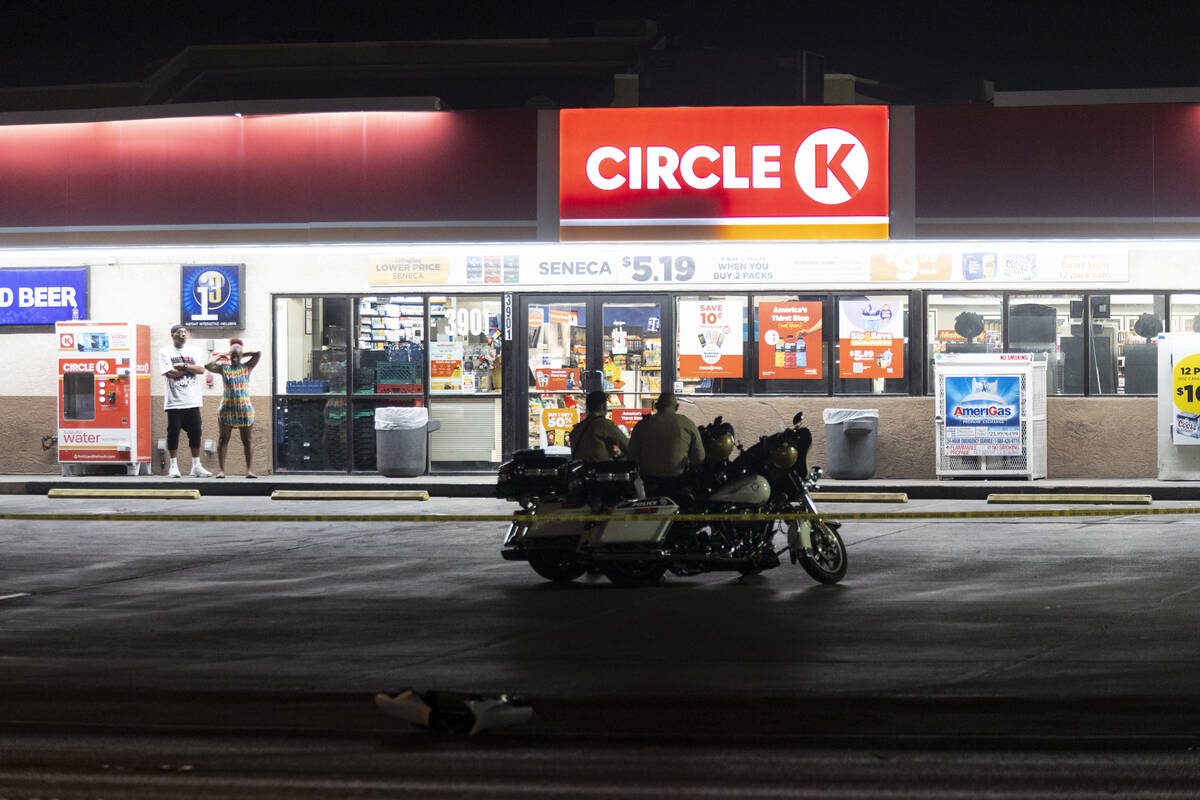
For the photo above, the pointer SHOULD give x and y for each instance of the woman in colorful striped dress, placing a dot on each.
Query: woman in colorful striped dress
(236, 411)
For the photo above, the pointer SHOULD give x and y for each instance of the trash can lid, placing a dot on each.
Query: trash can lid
(832, 416)
(400, 418)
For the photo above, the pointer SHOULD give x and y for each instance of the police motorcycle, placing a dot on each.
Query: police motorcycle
(769, 484)
(572, 496)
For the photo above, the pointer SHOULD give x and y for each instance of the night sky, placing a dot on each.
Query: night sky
(1018, 45)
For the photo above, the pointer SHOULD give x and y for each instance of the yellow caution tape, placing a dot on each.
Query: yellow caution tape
(544, 518)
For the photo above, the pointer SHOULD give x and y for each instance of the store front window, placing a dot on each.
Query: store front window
(337, 359)
(557, 360)
(465, 381)
(1126, 325)
(711, 344)
(962, 323)
(1185, 313)
(1050, 327)
(790, 345)
(871, 353)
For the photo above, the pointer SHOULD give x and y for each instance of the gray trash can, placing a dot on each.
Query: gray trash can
(402, 440)
(850, 435)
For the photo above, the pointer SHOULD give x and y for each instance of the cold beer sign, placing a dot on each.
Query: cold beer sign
(805, 172)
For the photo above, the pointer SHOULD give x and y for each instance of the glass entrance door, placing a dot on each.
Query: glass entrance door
(576, 345)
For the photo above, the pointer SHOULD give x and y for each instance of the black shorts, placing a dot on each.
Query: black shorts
(187, 419)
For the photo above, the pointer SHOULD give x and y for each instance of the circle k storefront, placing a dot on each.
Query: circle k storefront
(492, 267)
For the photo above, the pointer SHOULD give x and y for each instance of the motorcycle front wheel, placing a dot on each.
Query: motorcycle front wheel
(827, 564)
(558, 567)
(634, 573)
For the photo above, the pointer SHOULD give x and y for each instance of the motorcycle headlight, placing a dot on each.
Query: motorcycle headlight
(783, 456)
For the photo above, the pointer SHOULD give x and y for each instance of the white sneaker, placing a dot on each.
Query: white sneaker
(199, 471)
(173, 472)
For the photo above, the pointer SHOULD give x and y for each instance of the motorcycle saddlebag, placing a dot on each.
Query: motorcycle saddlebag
(612, 481)
(639, 522)
(535, 473)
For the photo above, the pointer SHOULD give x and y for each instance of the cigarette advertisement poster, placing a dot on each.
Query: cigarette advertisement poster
(871, 331)
(556, 426)
(983, 415)
(789, 340)
(445, 366)
(710, 338)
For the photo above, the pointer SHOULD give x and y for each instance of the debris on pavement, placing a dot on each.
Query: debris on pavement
(454, 713)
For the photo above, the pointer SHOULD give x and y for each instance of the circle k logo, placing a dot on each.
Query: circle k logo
(831, 166)
(67, 341)
(101, 367)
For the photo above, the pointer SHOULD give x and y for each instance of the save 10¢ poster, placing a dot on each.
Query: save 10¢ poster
(710, 338)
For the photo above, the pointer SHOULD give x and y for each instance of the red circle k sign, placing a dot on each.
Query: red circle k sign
(794, 172)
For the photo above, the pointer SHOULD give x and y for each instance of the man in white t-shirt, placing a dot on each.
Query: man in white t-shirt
(181, 366)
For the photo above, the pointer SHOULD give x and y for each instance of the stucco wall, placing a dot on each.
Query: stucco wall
(24, 421)
(1086, 437)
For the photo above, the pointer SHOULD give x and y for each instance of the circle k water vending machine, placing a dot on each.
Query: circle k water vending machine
(103, 395)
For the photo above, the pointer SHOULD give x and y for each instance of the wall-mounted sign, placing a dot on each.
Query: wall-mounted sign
(983, 415)
(409, 270)
(212, 295)
(871, 337)
(789, 340)
(43, 296)
(801, 172)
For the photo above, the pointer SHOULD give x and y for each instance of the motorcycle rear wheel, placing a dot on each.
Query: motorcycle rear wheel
(827, 564)
(634, 573)
(558, 567)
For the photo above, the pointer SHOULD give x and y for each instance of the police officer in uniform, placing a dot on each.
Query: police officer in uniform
(665, 445)
(597, 436)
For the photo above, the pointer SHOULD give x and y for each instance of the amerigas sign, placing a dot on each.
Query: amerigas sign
(806, 172)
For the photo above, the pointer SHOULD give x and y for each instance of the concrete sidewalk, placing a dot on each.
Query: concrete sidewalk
(482, 484)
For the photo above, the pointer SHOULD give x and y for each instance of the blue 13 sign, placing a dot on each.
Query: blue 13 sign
(212, 295)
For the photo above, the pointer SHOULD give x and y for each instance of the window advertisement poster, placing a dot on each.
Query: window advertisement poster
(710, 338)
(871, 331)
(556, 427)
(42, 296)
(626, 418)
(212, 295)
(789, 342)
(983, 415)
(1185, 392)
(555, 379)
(445, 367)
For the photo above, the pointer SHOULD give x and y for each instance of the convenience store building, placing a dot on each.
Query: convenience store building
(491, 266)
